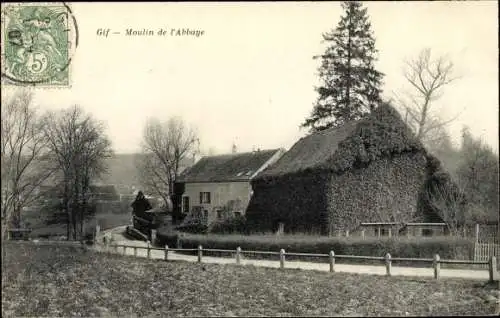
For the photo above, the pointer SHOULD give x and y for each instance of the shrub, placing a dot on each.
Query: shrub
(414, 247)
(194, 227)
(230, 226)
(166, 236)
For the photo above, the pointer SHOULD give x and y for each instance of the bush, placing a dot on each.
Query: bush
(230, 226)
(166, 236)
(194, 227)
(414, 247)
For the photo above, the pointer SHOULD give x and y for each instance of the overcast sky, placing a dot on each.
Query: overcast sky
(250, 77)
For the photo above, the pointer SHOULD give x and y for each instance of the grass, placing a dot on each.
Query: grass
(65, 281)
(105, 220)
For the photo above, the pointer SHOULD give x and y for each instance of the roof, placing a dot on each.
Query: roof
(230, 167)
(311, 151)
(382, 133)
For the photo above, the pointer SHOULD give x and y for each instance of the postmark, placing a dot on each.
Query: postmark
(39, 41)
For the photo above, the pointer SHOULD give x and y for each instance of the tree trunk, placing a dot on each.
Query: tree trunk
(82, 213)
(66, 206)
(348, 84)
(423, 119)
(74, 223)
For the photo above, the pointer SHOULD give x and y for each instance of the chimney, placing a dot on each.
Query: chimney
(233, 148)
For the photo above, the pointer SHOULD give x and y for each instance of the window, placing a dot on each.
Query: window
(237, 214)
(185, 204)
(219, 214)
(205, 215)
(204, 197)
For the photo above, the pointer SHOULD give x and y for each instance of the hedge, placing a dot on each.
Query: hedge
(413, 247)
(230, 226)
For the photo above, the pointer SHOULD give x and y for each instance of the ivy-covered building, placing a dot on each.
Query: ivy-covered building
(369, 170)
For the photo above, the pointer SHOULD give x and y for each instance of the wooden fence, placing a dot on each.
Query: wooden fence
(484, 251)
(387, 259)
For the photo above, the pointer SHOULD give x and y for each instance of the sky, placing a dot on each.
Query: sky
(249, 79)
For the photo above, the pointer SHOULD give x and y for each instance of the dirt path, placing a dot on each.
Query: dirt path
(118, 238)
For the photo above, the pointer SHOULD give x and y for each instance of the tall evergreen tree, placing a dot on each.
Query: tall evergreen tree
(350, 84)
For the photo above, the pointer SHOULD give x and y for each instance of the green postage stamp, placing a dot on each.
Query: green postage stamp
(38, 44)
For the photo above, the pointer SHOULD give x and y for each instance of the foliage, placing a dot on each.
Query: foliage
(55, 281)
(413, 247)
(350, 84)
(167, 236)
(230, 226)
(385, 191)
(297, 200)
(379, 172)
(383, 134)
(478, 173)
(194, 226)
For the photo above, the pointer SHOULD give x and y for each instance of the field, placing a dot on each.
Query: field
(105, 220)
(66, 281)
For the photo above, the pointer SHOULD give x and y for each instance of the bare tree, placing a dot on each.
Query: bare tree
(165, 145)
(450, 203)
(79, 147)
(427, 77)
(24, 157)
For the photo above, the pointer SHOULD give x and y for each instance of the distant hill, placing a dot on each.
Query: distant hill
(123, 172)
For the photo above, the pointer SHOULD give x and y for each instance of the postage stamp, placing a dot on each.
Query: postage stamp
(39, 41)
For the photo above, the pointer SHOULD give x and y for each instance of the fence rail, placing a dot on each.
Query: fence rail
(387, 259)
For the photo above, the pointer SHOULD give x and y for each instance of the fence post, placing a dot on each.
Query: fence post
(363, 233)
(437, 266)
(149, 249)
(200, 253)
(332, 262)
(166, 252)
(238, 255)
(378, 231)
(346, 233)
(282, 258)
(124, 249)
(493, 268)
(153, 236)
(97, 230)
(388, 264)
(477, 232)
(390, 232)
(135, 251)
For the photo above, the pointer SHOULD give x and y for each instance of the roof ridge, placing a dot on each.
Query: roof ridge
(241, 153)
(332, 129)
(229, 167)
